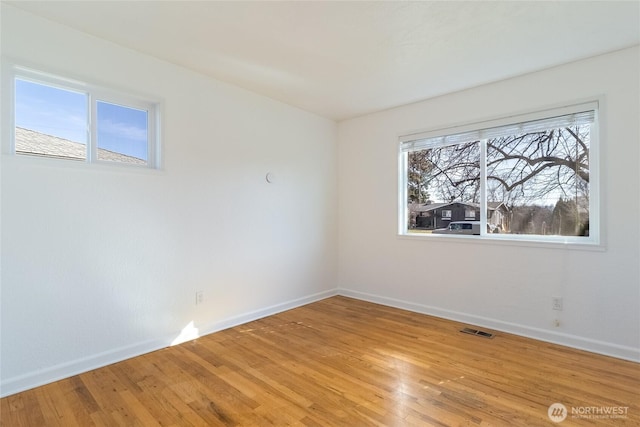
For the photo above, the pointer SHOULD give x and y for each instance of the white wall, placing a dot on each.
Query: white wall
(506, 287)
(102, 263)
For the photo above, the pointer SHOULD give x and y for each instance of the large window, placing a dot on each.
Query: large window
(526, 178)
(54, 117)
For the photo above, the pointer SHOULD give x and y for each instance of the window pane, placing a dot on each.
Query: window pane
(443, 186)
(122, 133)
(49, 121)
(538, 183)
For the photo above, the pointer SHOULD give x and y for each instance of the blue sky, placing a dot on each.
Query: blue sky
(64, 113)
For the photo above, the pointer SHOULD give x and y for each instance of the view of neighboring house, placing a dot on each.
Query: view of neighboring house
(40, 144)
(566, 218)
(433, 215)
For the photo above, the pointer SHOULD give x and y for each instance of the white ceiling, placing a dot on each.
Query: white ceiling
(344, 59)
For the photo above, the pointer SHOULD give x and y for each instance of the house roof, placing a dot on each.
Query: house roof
(40, 144)
(427, 207)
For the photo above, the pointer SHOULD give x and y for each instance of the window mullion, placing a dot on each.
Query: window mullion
(403, 198)
(92, 130)
(483, 187)
(152, 137)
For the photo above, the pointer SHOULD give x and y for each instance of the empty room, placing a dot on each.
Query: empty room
(320, 213)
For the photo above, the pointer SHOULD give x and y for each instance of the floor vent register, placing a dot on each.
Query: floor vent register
(477, 332)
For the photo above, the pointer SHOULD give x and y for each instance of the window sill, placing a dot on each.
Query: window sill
(519, 241)
(56, 163)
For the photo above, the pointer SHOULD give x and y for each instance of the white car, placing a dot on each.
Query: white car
(460, 227)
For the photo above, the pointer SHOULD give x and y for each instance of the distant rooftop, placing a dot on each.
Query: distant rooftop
(40, 144)
(430, 206)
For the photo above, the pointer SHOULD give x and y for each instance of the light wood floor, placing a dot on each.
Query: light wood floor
(339, 362)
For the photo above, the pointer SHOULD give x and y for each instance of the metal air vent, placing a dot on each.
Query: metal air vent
(477, 332)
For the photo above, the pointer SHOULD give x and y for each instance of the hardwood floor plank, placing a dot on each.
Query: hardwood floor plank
(21, 410)
(339, 362)
(56, 407)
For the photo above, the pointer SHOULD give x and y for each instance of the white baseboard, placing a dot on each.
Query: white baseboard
(264, 312)
(65, 370)
(568, 340)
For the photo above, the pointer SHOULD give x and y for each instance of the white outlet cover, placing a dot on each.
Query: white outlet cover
(557, 303)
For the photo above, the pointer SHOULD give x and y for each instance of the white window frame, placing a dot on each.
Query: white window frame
(406, 141)
(95, 93)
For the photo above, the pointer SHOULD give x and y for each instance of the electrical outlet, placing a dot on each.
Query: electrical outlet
(557, 303)
(199, 297)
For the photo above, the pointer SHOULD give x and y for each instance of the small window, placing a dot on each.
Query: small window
(528, 179)
(64, 119)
